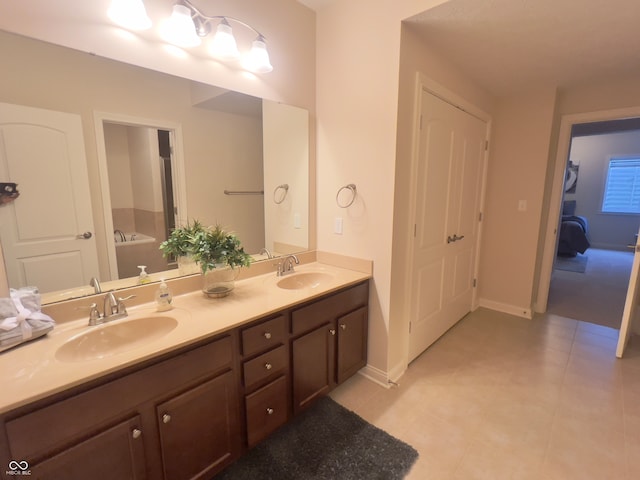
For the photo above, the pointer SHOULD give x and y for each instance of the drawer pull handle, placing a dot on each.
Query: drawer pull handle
(268, 366)
(166, 418)
(270, 411)
(343, 326)
(332, 331)
(267, 335)
(136, 433)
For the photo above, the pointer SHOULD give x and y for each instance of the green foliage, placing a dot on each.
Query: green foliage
(209, 246)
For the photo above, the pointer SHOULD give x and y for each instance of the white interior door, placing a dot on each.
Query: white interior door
(631, 302)
(449, 175)
(47, 233)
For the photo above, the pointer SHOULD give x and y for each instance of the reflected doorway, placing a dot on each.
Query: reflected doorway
(142, 177)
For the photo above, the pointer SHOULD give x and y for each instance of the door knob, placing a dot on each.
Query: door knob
(136, 433)
(166, 418)
(84, 236)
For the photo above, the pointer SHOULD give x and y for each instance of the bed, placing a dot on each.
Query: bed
(574, 232)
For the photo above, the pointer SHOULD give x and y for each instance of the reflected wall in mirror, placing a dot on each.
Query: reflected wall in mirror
(218, 145)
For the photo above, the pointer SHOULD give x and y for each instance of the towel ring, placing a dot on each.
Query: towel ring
(351, 187)
(285, 187)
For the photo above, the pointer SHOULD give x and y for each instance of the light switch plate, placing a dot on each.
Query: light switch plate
(337, 226)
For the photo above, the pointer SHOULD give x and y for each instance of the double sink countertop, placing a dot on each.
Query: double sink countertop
(53, 364)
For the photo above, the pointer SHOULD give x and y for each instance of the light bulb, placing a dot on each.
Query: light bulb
(180, 30)
(129, 14)
(224, 44)
(257, 60)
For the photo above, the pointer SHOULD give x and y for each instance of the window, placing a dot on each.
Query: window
(622, 188)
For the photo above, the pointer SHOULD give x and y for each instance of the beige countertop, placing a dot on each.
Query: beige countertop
(32, 371)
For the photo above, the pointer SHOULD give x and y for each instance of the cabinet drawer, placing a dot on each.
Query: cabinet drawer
(69, 420)
(315, 314)
(266, 410)
(265, 335)
(266, 365)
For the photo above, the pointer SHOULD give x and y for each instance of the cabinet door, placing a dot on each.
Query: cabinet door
(352, 343)
(116, 453)
(313, 364)
(199, 430)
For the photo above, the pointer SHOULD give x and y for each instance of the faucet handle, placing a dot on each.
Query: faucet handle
(94, 313)
(121, 306)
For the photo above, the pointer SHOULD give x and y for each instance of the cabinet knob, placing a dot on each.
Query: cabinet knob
(166, 418)
(270, 411)
(332, 331)
(343, 326)
(268, 366)
(136, 433)
(267, 335)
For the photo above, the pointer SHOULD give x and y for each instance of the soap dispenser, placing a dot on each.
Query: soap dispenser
(163, 297)
(144, 276)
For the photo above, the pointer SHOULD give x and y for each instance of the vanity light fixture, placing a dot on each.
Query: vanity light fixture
(129, 14)
(188, 25)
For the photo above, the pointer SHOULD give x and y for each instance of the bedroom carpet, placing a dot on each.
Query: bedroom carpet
(576, 264)
(597, 295)
(326, 442)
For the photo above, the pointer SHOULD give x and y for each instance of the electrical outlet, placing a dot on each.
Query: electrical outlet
(337, 226)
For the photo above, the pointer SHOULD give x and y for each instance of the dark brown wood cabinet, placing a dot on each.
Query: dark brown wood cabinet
(265, 377)
(114, 454)
(352, 332)
(174, 419)
(329, 343)
(189, 414)
(198, 429)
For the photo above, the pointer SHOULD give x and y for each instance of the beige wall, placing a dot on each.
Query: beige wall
(519, 152)
(358, 57)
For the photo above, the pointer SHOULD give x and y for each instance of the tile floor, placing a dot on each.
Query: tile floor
(501, 397)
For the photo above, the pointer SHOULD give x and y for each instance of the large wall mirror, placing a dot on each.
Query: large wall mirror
(150, 150)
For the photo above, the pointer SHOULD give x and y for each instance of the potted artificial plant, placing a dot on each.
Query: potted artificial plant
(216, 252)
(180, 246)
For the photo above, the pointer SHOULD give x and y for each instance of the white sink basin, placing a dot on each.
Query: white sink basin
(110, 339)
(297, 281)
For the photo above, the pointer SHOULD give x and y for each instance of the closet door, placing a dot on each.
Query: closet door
(449, 175)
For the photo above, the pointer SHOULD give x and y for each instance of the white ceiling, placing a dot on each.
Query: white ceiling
(503, 45)
(512, 45)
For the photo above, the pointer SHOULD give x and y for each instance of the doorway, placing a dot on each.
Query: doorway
(143, 193)
(595, 292)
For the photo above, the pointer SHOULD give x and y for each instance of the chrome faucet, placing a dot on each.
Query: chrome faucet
(266, 252)
(285, 267)
(96, 285)
(112, 309)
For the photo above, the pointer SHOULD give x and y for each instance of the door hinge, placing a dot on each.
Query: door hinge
(420, 122)
(409, 327)
(415, 229)
(486, 145)
(480, 216)
(475, 283)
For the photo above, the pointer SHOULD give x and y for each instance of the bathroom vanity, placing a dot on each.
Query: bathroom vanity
(205, 394)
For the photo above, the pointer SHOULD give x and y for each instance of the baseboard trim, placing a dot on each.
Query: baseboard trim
(375, 375)
(524, 312)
